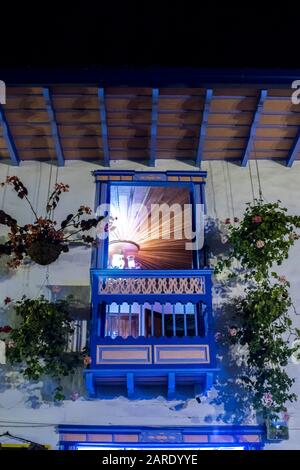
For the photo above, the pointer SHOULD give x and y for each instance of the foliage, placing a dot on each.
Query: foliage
(40, 341)
(43, 234)
(261, 240)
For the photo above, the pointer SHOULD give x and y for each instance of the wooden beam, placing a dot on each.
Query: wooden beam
(154, 118)
(295, 149)
(54, 128)
(259, 108)
(103, 126)
(13, 153)
(202, 133)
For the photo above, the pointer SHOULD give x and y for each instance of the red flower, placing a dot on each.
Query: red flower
(7, 300)
(227, 221)
(87, 360)
(257, 219)
(5, 329)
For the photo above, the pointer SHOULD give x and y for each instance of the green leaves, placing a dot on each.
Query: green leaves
(41, 340)
(263, 239)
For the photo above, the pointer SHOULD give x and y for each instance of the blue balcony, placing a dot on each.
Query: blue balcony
(151, 327)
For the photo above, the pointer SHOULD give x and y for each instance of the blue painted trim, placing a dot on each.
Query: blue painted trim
(294, 151)
(54, 127)
(13, 153)
(260, 104)
(202, 133)
(103, 126)
(163, 175)
(154, 119)
(130, 384)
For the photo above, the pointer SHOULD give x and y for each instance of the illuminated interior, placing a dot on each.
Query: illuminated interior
(136, 241)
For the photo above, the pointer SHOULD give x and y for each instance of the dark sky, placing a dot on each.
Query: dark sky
(121, 33)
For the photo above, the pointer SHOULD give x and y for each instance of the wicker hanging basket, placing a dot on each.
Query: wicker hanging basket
(44, 252)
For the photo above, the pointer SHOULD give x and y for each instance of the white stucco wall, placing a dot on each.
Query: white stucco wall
(22, 409)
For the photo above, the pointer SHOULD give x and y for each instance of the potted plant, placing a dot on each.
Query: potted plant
(39, 342)
(276, 430)
(44, 240)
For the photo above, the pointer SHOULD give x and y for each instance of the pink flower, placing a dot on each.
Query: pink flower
(224, 239)
(227, 221)
(233, 331)
(74, 396)
(87, 360)
(286, 417)
(282, 279)
(236, 219)
(267, 399)
(10, 344)
(7, 300)
(56, 289)
(257, 219)
(260, 243)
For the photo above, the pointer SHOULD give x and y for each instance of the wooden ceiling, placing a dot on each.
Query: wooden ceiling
(69, 122)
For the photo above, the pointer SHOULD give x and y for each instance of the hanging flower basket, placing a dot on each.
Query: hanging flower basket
(44, 252)
(277, 430)
(44, 239)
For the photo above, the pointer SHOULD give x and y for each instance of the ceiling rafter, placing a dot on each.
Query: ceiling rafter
(104, 132)
(12, 149)
(202, 133)
(259, 108)
(154, 122)
(54, 127)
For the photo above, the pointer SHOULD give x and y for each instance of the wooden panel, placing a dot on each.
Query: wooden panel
(293, 119)
(25, 102)
(99, 437)
(77, 154)
(232, 119)
(27, 116)
(79, 130)
(124, 354)
(269, 155)
(225, 144)
(177, 144)
(73, 102)
(4, 153)
(234, 154)
(31, 130)
(179, 132)
(128, 118)
(181, 354)
(77, 116)
(235, 131)
(24, 90)
(280, 105)
(81, 142)
(236, 91)
(3, 143)
(127, 91)
(73, 90)
(129, 154)
(181, 104)
(241, 104)
(129, 131)
(134, 103)
(39, 154)
(176, 154)
(280, 91)
(288, 131)
(138, 143)
(126, 438)
(182, 91)
(34, 142)
(283, 144)
(192, 117)
(195, 438)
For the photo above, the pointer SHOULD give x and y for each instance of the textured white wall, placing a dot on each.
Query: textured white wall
(229, 187)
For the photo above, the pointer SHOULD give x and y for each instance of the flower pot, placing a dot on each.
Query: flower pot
(44, 252)
(277, 430)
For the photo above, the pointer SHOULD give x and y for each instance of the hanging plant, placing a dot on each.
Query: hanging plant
(261, 240)
(39, 342)
(44, 240)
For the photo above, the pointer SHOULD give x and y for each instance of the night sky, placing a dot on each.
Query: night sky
(124, 34)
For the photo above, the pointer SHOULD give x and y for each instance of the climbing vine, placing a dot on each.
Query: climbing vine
(260, 241)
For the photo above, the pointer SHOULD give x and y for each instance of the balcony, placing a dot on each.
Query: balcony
(151, 327)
